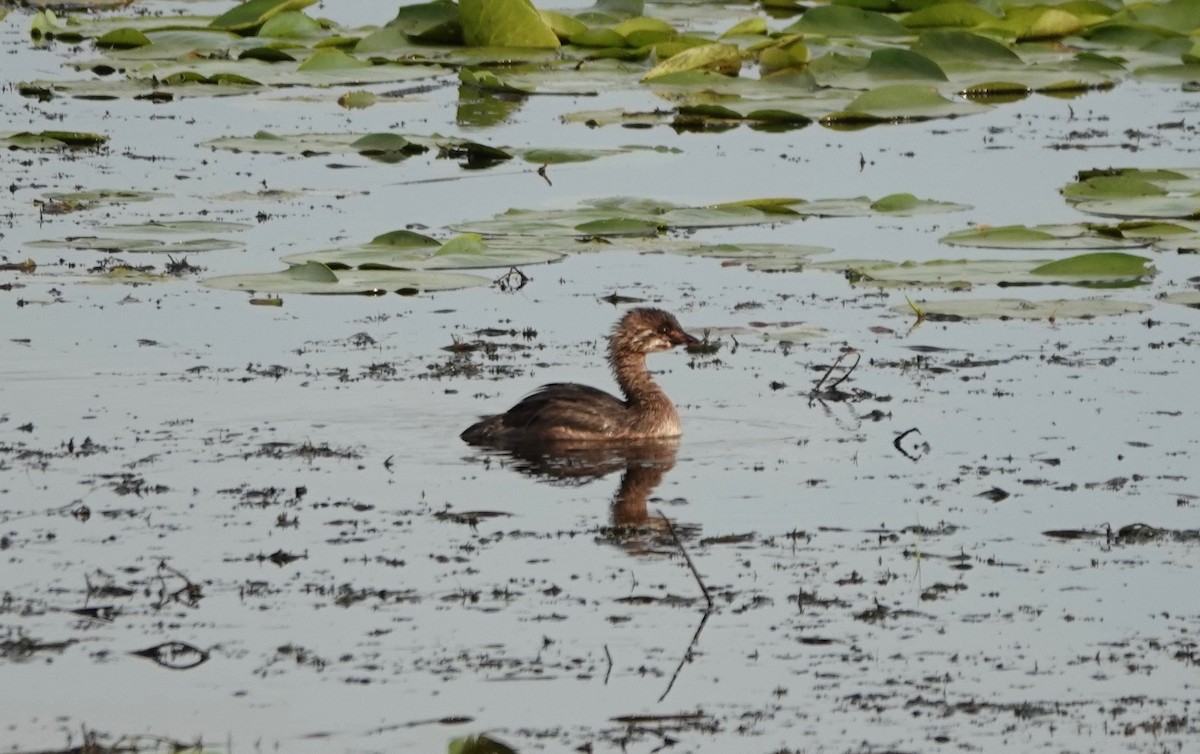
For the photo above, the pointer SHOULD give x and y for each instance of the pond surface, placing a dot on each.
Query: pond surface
(278, 494)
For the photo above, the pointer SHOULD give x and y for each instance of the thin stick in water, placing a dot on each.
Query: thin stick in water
(671, 528)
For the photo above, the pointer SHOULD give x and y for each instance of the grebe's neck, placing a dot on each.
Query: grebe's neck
(638, 387)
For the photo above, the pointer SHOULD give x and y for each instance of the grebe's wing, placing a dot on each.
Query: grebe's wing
(563, 409)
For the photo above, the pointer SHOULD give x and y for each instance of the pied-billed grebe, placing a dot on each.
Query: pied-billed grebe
(564, 412)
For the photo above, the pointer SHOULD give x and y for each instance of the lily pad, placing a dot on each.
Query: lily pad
(1179, 207)
(178, 226)
(1190, 299)
(1137, 192)
(390, 147)
(291, 25)
(463, 252)
(764, 257)
(1098, 266)
(123, 38)
(843, 21)
(623, 216)
(52, 140)
(138, 245)
(254, 13)
(1108, 269)
(125, 275)
(323, 68)
(1065, 237)
(1010, 308)
(504, 23)
(435, 22)
(314, 277)
(720, 58)
(99, 197)
(794, 333)
(900, 102)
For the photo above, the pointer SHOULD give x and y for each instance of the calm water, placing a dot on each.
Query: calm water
(395, 617)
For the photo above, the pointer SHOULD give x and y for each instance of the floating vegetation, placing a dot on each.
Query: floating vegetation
(633, 216)
(314, 277)
(41, 140)
(1012, 308)
(844, 67)
(393, 147)
(1100, 269)
(1137, 193)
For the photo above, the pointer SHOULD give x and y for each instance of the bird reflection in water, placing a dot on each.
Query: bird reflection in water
(643, 465)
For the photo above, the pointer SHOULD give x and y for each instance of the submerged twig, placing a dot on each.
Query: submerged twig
(462, 177)
(687, 654)
(918, 311)
(189, 594)
(708, 610)
(837, 362)
(900, 437)
(512, 281)
(674, 535)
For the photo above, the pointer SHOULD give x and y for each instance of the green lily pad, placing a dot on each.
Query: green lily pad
(314, 277)
(1190, 299)
(603, 38)
(559, 156)
(899, 205)
(1097, 266)
(103, 89)
(99, 197)
(720, 58)
(955, 50)
(754, 26)
(387, 144)
(1065, 237)
(402, 250)
(178, 226)
(948, 15)
(1181, 207)
(323, 68)
(504, 23)
(137, 245)
(359, 99)
(624, 216)
(842, 21)
(793, 333)
(759, 257)
(123, 39)
(255, 12)
(332, 60)
(641, 31)
(1010, 308)
(52, 140)
(1109, 269)
(374, 145)
(430, 23)
(488, 81)
(123, 275)
(586, 78)
(1037, 23)
(900, 102)
(619, 226)
(1137, 192)
(291, 25)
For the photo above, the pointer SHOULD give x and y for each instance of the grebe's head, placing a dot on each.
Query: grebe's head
(646, 330)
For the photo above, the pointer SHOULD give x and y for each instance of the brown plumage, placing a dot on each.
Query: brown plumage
(564, 412)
